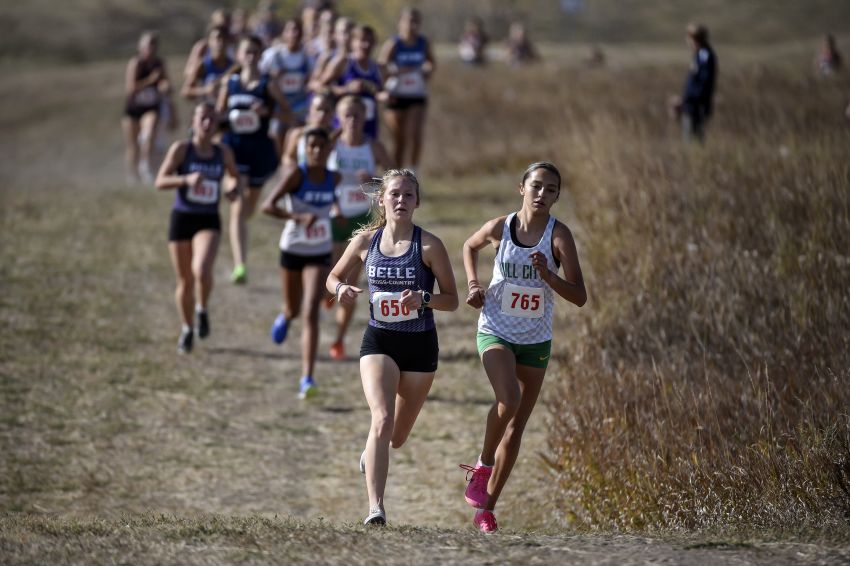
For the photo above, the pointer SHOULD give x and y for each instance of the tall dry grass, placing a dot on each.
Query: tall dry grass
(707, 383)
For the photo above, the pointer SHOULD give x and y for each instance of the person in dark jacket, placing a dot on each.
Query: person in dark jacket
(699, 86)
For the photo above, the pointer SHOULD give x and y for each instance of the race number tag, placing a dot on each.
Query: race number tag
(317, 233)
(206, 192)
(291, 83)
(410, 84)
(370, 108)
(244, 121)
(523, 302)
(148, 96)
(353, 201)
(387, 307)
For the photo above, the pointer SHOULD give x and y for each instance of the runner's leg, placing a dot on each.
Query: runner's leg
(181, 260)
(380, 377)
(204, 248)
(500, 365)
(530, 383)
(313, 278)
(413, 388)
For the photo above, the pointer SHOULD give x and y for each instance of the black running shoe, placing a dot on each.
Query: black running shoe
(184, 344)
(202, 322)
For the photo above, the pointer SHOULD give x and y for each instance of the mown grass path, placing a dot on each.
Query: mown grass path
(115, 449)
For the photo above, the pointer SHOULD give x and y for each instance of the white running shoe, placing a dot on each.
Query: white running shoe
(376, 517)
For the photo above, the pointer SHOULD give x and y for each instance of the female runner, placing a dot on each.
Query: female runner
(515, 326)
(320, 115)
(248, 102)
(357, 158)
(204, 81)
(195, 168)
(357, 73)
(305, 247)
(146, 86)
(398, 356)
(288, 64)
(409, 62)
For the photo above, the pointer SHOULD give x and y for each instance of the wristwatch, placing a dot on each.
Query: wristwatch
(426, 298)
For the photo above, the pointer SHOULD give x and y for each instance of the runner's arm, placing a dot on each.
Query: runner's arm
(289, 183)
(167, 176)
(436, 257)
(193, 86)
(232, 171)
(290, 152)
(490, 233)
(384, 58)
(350, 262)
(430, 64)
(282, 112)
(571, 286)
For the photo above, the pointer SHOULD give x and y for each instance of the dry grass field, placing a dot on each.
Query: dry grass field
(695, 411)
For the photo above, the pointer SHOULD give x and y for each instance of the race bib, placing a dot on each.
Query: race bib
(352, 201)
(387, 307)
(291, 83)
(523, 302)
(204, 193)
(370, 108)
(244, 121)
(148, 96)
(410, 84)
(317, 233)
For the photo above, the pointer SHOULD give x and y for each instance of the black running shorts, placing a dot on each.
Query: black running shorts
(411, 351)
(184, 225)
(295, 262)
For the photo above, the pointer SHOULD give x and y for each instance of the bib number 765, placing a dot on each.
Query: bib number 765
(523, 302)
(526, 302)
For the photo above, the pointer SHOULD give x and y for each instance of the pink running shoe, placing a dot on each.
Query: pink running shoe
(485, 521)
(476, 492)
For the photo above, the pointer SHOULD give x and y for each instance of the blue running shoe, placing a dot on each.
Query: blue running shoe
(308, 388)
(279, 328)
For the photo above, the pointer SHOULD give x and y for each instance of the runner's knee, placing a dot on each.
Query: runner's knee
(382, 427)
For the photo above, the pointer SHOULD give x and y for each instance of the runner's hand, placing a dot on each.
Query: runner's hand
(411, 299)
(305, 218)
(233, 194)
(348, 294)
(475, 298)
(539, 262)
(193, 180)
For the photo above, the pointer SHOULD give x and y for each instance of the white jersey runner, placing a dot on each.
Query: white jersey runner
(348, 160)
(518, 305)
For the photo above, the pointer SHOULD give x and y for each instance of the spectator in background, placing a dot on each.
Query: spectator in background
(828, 60)
(520, 50)
(695, 107)
(264, 23)
(473, 42)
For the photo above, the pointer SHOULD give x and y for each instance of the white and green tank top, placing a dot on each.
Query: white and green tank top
(518, 305)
